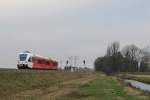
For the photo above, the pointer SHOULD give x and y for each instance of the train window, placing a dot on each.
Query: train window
(39, 61)
(33, 59)
(43, 61)
(23, 57)
(47, 62)
(30, 59)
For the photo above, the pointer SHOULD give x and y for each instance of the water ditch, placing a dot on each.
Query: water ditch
(138, 85)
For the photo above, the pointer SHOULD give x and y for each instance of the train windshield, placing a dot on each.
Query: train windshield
(23, 57)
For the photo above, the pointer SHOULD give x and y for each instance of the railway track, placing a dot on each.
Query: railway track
(24, 70)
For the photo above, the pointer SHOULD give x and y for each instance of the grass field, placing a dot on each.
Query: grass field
(53, 85)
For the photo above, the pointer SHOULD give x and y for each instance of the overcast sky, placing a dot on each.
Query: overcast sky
(63, 28)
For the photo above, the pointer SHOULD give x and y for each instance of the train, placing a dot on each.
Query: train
(28, 60)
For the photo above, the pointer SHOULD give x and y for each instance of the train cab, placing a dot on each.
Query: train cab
(27, 60)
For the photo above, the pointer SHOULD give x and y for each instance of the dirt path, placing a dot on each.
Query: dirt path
(52, 92)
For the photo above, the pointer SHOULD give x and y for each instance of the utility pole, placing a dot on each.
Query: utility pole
(60, 65)
(84, 63)
(71, 58)
(67, 62)
(75, 60)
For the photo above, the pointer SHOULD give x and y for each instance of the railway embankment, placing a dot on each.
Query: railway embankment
(59, 85)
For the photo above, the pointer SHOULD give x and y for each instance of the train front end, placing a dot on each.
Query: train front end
(24, 60)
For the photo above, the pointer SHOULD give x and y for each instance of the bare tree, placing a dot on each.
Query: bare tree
(132, 52)
(146, 51)
(113, 49)
(145, 59)
(132, 55)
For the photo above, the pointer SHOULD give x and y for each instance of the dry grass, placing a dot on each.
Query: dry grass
(12, 83)
(134, 92)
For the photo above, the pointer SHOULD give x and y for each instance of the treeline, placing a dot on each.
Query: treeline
(129, 59)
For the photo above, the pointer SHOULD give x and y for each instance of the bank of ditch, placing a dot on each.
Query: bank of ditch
(145, 78)
(105, 88)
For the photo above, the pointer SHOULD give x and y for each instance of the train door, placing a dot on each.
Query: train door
(30, 62)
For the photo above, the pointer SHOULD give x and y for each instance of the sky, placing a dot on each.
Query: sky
(63, 28)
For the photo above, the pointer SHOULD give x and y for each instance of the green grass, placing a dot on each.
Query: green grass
(102, 88)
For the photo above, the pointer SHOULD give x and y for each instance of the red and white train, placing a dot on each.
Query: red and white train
(27, 60)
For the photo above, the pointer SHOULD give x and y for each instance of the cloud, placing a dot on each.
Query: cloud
(53, 3)
(52, 6)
